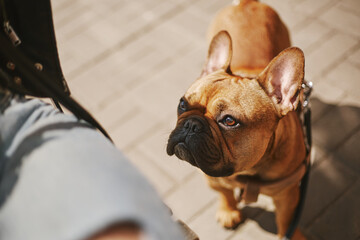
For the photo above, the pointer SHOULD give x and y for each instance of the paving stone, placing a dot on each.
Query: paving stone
(121, 70)
(342, 20)
(133, 129)
(116, 113)
(341, 222)
(348, 153)
(318, 109)
(193, 21)
(168, 84)
(131, 28)
(83, 49)
(206, 226)
(319, 60)
(313, 7)
(125, 14)
(287, 13)
(325, 95)
(215, 6)
(333, 128)
(98, 83)
(160, 179)
(355, 57)
(67, 13)
(143, 66)
(168, 38)
(345, 76)
(350, 5)
(56, 6)
(104, 33)
(186, 68)
(150, 64)
(106, 6)
(318, 154)
(251, 230)
(144, 13)
(168, 9)
(351, 100)
(191, 197)
(154, 92)
(316, 30)
(135, 15)
(155, 147)
(328, 180)
(79, 23)
(210, 7)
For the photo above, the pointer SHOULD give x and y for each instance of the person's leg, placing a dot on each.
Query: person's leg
(61, 179)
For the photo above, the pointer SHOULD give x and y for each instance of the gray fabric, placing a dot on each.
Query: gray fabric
(62, 180)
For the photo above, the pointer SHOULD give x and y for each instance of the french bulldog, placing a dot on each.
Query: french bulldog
(240, 118)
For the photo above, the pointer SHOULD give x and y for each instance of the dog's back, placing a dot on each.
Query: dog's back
(257, 32)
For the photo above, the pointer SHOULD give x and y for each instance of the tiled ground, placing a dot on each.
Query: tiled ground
(129, 61)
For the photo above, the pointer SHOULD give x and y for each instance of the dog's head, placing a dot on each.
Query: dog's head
(226, 122)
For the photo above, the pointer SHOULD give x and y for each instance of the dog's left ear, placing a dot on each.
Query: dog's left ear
(219, 55)
(282, 79)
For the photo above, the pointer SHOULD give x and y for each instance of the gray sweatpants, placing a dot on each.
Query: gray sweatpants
(62, 180)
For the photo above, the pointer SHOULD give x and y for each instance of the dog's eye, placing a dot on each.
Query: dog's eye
(229, 121)
(182, 106)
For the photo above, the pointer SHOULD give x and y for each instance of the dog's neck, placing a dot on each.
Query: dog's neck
(285, 152)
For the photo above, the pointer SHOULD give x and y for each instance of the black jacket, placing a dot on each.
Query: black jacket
(33, 24)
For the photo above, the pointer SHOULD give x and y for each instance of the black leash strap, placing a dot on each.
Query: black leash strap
(305, 179)
(41, 82)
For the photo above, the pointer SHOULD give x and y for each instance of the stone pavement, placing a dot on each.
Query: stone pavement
(129, 62)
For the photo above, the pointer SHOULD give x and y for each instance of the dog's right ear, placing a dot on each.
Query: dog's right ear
(282, 79)
(219, 55)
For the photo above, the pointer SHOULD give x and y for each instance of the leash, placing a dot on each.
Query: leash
(306, 110)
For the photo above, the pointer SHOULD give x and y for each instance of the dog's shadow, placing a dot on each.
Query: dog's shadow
(265, 219)
(330, 210)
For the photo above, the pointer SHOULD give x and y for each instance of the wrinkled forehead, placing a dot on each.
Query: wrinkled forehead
(205, 87)
(222, 87)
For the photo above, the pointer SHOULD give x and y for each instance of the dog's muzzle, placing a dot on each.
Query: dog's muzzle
(192, 141)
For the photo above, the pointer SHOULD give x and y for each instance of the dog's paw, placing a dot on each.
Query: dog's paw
(229, 218)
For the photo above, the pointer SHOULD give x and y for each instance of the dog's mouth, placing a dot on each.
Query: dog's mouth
(193, 148)
(200, 151)
(183, 153)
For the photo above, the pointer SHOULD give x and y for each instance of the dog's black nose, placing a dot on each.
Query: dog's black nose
(194, 125)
